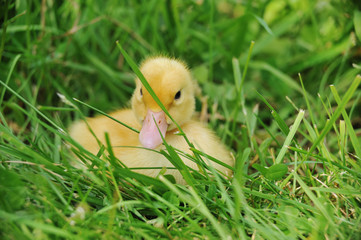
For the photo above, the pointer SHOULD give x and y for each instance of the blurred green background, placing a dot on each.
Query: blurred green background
(69, 46)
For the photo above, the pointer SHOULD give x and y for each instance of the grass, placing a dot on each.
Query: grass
(259, 64)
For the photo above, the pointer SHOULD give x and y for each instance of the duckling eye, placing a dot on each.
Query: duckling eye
(141, 92)
(177, 95)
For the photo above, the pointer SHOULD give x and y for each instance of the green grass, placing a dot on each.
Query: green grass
(283, 92)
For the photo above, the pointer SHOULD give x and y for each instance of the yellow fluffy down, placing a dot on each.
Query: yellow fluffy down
(168, 78)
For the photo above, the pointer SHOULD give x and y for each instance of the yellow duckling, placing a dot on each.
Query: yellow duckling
(173, 85)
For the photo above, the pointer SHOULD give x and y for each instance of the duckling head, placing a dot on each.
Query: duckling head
(172, 83)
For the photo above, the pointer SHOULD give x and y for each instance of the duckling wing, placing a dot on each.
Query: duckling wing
(87, 133)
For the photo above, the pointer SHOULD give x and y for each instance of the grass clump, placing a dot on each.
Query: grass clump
(297, 172)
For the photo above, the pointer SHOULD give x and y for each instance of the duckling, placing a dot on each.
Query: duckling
(171, 81)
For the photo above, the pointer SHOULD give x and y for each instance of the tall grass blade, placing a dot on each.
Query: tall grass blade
(337, 112)
(290, 136)
(305, 95)
(280, 122)
(355, 142)
(32, 107)
(105, 114)
(145, 83)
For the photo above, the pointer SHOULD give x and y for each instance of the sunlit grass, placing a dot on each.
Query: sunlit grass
(297, 173)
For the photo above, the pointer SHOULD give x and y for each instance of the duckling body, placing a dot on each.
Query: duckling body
(172, 83)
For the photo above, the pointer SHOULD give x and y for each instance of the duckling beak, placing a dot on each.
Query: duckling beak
(149, 135)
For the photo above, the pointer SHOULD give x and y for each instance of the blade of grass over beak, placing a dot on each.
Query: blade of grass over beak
(290, 136)
(145, 83)
(350, 129)
(103, 113)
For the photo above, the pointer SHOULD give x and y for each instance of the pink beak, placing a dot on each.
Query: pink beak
(149, 135)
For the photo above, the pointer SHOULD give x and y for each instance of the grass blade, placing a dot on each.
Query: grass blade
(194, 200)
(338, 111)
(305, 95)
(281, 76)
(350, 129)
(105, 114)
(145, 83)
(281, 124)
(32, 107)
(315, 200)
(290, 136)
